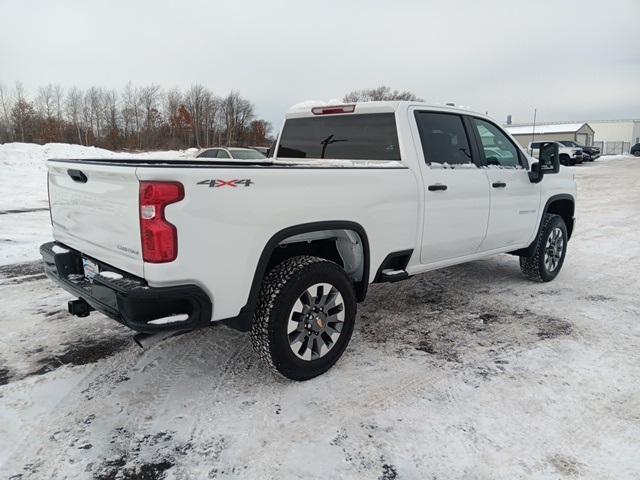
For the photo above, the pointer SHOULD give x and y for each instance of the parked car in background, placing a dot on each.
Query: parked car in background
(635, 150)
(262, 150)
(569, 156)
(589, 154)
(231, 153)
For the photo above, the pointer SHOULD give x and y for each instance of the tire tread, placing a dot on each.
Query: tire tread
(272, 285)
(530, 266)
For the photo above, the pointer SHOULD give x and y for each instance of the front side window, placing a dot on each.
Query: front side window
(444, 139)
(371, 136)
(498, 149)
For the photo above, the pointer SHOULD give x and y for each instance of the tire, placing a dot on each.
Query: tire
(636, 153)
(566, 160)
(283, 300)
(542, 267)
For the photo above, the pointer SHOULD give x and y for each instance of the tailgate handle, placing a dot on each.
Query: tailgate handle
(77, 176)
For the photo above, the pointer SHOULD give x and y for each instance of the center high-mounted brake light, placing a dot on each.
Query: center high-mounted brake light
(159, 237)
(333, 109)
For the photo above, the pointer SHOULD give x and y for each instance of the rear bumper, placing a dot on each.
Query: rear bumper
(128, 299)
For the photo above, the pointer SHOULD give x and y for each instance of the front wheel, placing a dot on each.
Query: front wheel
(550, 250)
(304, 318)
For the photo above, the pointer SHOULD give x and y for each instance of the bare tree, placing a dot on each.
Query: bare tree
(73, 110)
(6, 104)
(96, 100)
(172, 102)
(87, 117)
(194, 100)
(45, 103)
(129, 110)
(111, 116)
(211, 111)
(22, 115)
(149, 97)
(58, 101)
(379, 94)
(238, 112)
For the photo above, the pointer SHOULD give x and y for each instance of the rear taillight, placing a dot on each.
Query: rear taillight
(333, 109)
(159, 237)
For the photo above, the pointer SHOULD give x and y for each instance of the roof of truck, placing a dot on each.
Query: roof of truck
(304, 109)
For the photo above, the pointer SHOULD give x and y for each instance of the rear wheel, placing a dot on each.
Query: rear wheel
(304, 318)
(550, 250)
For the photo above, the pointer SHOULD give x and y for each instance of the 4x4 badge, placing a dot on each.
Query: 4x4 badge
(217, 183)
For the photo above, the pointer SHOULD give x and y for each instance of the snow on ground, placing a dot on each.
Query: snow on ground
(465, 372)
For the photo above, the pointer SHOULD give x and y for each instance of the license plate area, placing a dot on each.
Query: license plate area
(91, 268)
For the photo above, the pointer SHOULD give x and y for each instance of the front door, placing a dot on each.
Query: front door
(514, 199)
(456, 197)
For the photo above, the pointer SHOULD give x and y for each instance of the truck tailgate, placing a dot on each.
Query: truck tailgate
(94, 209)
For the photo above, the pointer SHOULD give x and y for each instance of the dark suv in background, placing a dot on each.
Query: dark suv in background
(635, 150)
(589, 154)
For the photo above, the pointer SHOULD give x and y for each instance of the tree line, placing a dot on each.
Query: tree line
(378, 94)
(135, 118)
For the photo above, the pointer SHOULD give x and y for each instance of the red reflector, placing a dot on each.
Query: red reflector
(159, 237)
(333, 109)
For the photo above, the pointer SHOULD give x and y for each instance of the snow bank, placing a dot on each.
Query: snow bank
(23, 181)
(608, 158)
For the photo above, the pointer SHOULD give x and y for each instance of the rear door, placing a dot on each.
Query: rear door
(94, 209)
(514, 199)
(456, 208)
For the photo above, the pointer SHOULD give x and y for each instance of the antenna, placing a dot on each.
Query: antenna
(533, 132)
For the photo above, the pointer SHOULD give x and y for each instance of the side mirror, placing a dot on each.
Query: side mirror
(549, 157)
(536, 174)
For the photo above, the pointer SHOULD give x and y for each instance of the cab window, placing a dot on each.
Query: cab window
(444, 138)
(498, 149)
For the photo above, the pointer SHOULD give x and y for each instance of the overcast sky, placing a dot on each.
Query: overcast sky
(572, 59)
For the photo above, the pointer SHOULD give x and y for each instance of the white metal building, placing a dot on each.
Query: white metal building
(579, 132)
(612, 136)
(627, 131)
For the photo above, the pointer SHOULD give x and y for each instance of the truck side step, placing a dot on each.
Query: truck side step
(390, 275)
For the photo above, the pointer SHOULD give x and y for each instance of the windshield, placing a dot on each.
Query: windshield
(370, 136)
(246, 154)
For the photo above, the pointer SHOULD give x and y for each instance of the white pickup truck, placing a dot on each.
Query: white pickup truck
(286, 246)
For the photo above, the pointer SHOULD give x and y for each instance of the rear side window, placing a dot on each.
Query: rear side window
(443, 138)
(344, 137)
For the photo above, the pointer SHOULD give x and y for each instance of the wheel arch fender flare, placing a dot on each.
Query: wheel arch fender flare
(245, 317)
(528, 251)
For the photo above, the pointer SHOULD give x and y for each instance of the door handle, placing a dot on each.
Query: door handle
(77, 176)
(498, 184)
(436, 187)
